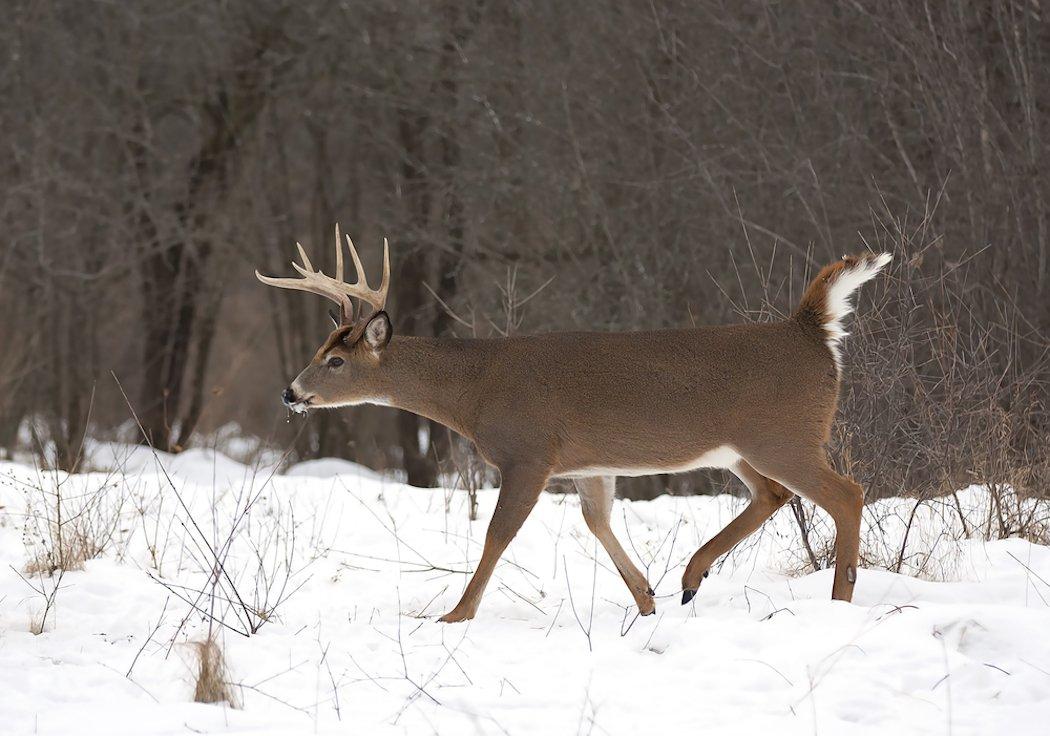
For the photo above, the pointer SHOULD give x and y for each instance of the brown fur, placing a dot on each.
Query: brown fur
(812, 308)
(573, 404)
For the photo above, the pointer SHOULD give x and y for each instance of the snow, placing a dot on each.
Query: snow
(364, 565)
(330, 468)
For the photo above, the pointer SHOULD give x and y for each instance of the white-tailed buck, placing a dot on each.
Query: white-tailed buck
(758, 399)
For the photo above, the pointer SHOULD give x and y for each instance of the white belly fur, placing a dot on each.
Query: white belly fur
(720, 457)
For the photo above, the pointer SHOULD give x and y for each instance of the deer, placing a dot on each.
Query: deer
(757, 399)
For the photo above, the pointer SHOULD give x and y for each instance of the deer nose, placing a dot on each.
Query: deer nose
(288, 396)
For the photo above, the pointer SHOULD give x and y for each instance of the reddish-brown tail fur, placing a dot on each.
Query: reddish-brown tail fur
(827, 299)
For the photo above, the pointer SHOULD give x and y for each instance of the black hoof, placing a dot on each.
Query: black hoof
(650, 591)
(651, 613)
(687, 595)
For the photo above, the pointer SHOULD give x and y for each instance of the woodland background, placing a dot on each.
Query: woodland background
(606, 165)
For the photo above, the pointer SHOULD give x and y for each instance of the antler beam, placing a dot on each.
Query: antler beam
(340, 292)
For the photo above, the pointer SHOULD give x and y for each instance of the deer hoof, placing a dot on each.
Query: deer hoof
(454, 617)
(687, 595)
(650, 591)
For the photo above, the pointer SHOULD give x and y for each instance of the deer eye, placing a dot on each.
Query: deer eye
(335, 362)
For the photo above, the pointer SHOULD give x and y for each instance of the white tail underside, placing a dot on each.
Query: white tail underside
(839, 303)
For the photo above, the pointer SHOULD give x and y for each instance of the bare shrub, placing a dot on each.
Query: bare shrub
(66, 525)
(1009, 514)
(923, 537)
(212, 684)
(936, 396)
(271, 536)
(68, 521)
(242, 566)
(46, 587)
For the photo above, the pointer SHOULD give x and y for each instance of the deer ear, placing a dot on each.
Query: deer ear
(378, 331)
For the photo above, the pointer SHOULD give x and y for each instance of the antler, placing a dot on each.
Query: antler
(336, 289)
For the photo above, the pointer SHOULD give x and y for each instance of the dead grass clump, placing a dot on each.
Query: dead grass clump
(66, 527)
(70, 550)
(46, 587)
(70, 520)
(212, 678)
(37, 625)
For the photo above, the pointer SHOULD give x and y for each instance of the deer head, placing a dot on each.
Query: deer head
(345, 370)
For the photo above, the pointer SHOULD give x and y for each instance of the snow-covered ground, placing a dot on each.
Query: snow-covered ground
(362, 567)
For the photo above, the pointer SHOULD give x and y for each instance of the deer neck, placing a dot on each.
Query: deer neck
(434, 378)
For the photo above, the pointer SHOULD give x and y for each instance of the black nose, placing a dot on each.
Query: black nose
(288, 396)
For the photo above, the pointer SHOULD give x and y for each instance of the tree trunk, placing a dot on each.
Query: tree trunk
(419, 465)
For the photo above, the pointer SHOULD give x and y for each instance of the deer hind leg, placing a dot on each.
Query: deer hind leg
(766, 497)
(596, 501)
(841, 498)
(517, 496)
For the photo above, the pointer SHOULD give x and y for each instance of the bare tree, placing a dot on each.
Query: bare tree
(649, 162)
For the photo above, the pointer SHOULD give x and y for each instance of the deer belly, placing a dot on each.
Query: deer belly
(720, 457)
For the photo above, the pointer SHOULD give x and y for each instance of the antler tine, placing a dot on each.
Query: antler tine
(338, 255)
(384, 286)
(361, 290)
(306, 259)
(362, 279)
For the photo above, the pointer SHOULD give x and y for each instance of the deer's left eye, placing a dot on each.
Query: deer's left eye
(335, 362)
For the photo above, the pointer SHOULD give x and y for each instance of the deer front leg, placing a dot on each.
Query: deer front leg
(517, 497)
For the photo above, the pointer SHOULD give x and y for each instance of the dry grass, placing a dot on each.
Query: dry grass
(212, 683)
(66, 549)
(64, 528)
(37, 624)
(46, 587)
